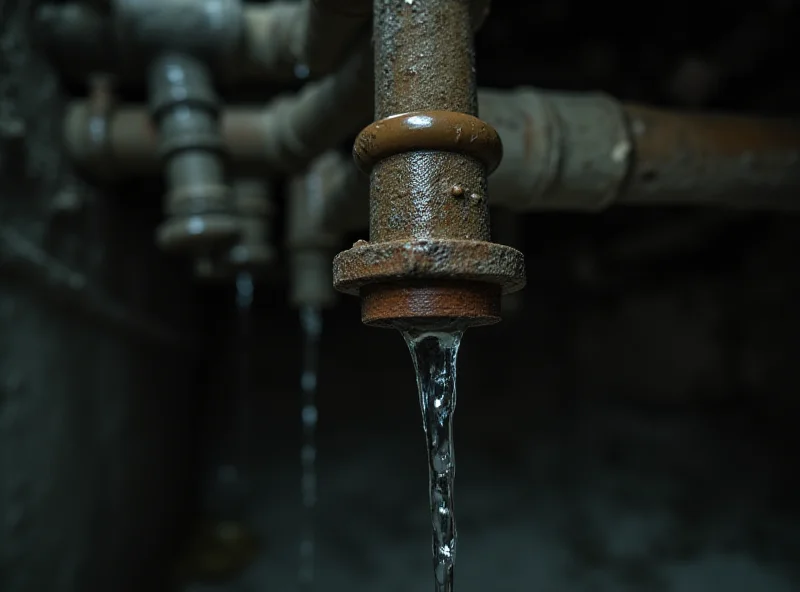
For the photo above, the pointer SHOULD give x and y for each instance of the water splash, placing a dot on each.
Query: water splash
(311, 321)
(434, 355)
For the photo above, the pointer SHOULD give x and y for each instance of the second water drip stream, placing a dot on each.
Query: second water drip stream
(311, 321)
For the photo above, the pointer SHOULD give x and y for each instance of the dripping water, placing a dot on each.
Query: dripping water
(311, 322)
(245, 291)
(229, 487)
(231, 481)
(434, 355)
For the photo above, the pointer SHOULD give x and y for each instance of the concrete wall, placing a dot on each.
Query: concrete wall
(95, 395)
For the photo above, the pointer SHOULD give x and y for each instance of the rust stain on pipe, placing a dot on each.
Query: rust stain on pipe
(712, 159)
(588, 151)
(429, 157)
(428, 130)
(130, 148)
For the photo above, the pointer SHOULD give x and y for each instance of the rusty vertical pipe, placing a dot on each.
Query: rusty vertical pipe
(429, 260)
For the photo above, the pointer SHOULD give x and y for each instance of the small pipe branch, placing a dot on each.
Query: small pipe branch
(247, 43)
(199, 207)
(312, 236)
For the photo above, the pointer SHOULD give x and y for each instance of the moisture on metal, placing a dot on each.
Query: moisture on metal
(427, 147)
(311, 321)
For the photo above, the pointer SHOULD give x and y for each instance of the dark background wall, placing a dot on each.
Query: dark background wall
(96, 368)
(631, 428)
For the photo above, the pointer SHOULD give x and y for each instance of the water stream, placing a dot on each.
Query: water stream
(434, 355)
(311, 322)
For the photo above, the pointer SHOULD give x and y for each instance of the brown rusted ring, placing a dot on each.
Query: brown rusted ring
(428, 259)
(430, 304)
(446, 131)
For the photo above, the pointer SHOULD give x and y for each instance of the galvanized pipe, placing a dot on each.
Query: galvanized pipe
(429, 261)
(199, 207)
(280, 41)
(266, 42)
(311, 241)
(712, 159)
(283, 137)
(588, 151)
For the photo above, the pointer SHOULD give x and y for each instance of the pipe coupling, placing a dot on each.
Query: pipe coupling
(254, 252)
(198, 203)
(431, 279)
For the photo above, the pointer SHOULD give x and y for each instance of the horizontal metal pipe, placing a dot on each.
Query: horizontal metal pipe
(282, 137)
(563, 151)
(79, 39)
(587, 151)
(125, 145)
(712, 159)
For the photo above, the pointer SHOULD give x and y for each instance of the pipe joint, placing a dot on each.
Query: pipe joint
(209, 30)
(198, 203)
(565, 151)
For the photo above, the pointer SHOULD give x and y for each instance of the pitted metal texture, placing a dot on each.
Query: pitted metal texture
(441, 259)
(254, 251)
(429, 260)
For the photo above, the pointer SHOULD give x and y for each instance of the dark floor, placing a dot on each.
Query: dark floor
(593, 500)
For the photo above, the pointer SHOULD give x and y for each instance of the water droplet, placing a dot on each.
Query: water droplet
(301, 71)
(309, 414)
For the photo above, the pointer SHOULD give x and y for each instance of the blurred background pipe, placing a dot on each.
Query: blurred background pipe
(311, 240)
(563, 151)
(587, 151)
(285, 136)
(280, 41)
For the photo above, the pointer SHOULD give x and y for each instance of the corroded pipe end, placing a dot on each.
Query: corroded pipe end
(432, 305)
(435, 283)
